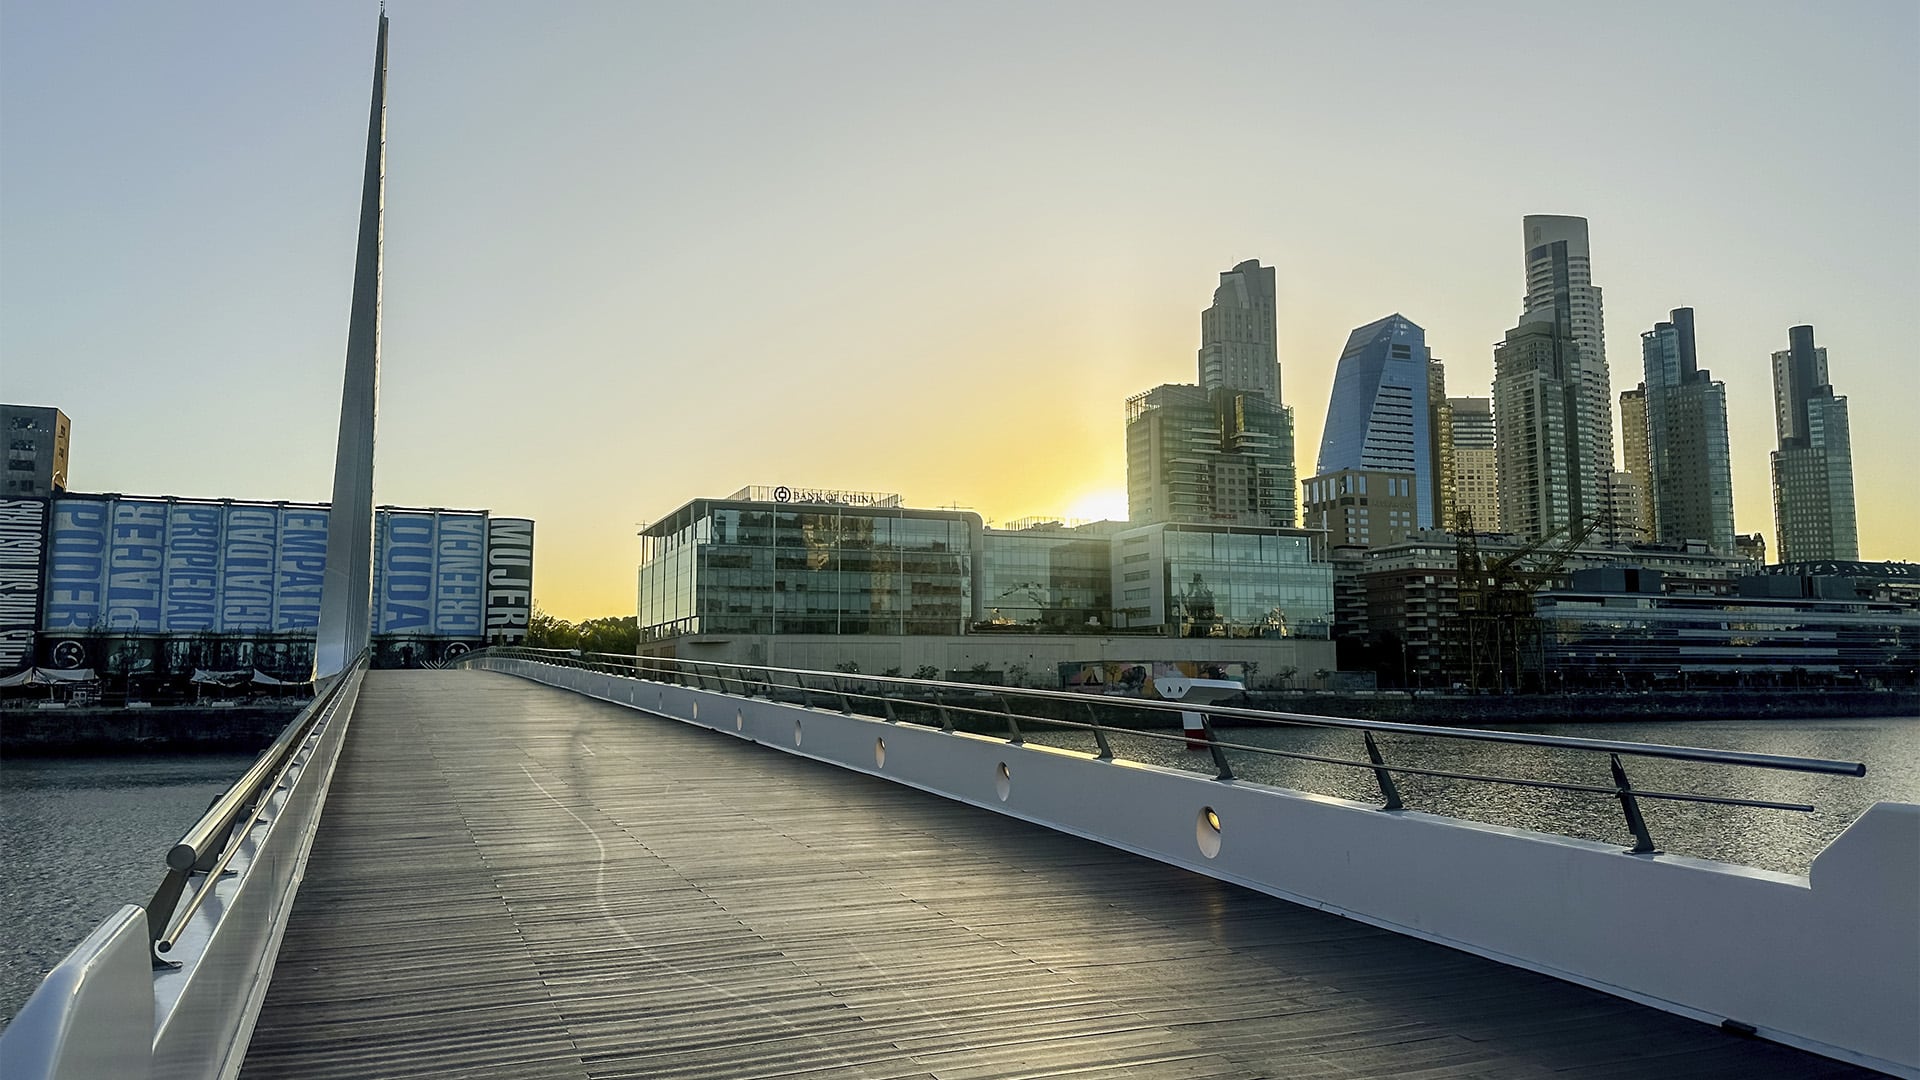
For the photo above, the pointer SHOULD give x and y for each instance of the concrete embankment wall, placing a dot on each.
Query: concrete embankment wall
(1430, 708)
(1829, 962)
(173, 729)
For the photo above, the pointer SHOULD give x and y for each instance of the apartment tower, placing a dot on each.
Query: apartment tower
(1221, 451)
(1560, 281)
(1476, 466)
(1639, 471)
(1813, 509)
(1537, 401)
(1686, 439)
(1237, 334)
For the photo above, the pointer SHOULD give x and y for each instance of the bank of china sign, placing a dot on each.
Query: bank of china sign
(785, 494)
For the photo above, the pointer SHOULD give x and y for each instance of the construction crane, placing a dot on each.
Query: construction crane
(1495, 598)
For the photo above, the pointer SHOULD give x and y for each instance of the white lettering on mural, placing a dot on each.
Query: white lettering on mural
(23, 525)
(509, 578)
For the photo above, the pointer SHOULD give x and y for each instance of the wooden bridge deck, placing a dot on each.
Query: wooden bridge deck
(514, 881)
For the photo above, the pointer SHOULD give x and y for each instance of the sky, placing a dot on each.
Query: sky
(642, 253)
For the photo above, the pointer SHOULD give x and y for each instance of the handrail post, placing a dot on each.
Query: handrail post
(840, 687)
(1099, 733)
(1381, 776)
(806, 692)
(160, 913)
(1642, 839)
(1014, 735)
(1213, 744)
(886, 705)
(940, 703)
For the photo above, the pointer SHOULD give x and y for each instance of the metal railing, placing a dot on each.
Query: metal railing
(213, 841)
(898, 699)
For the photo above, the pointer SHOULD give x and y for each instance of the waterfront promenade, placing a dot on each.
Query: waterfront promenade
(517, 881)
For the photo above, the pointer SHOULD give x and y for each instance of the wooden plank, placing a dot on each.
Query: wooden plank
(513, 881)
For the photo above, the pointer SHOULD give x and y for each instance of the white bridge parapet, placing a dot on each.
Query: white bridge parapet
(1829, 962)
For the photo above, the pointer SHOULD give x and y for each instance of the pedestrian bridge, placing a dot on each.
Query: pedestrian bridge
(538, 867)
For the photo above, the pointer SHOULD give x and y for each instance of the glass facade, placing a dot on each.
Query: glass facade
(1049, 581)
(1379, 414)
(1209, 456)
(1690, 478)
(1640, 641)
(1244, 583)
(756, 568)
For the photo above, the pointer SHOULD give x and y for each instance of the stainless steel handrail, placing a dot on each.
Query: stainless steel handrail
(211, 843)
(1660, 750)
(750, 678)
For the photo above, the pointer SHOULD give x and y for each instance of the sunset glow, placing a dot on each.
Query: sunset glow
(931, 252)
(1109, 505)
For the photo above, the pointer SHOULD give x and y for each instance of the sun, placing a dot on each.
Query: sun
(1108, 505)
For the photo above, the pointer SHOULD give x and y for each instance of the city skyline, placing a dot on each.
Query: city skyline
(177, 257)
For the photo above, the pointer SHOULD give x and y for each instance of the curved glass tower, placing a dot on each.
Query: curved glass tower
(1378, 416)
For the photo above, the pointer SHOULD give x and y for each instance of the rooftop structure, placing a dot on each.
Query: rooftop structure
(38, 442)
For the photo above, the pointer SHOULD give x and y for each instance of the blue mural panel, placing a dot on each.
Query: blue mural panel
(77, 565)
(404, 602)
(302, 568)
(192, 599)
(250, 549)
(459, 566)
(135, 559)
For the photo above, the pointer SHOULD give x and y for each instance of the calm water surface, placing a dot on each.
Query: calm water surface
(81, 836)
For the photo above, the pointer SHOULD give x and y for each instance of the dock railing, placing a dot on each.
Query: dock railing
(173, 989)
(1003, 710)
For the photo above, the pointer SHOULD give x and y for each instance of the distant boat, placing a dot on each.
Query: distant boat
(1196, 692)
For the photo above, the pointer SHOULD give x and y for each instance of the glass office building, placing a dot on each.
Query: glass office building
(736, 566)
(1222, 581)
(1049, 579)
(1616, 628)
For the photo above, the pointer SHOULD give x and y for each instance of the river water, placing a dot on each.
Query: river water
(81, 836)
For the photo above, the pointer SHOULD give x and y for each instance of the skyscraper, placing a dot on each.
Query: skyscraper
(1813, 509)
(1537, 396)
(1221, 451)
(1560, 279)
(1633, 443)
(1237, 334)
(1476, 466)
(1690, 469)
(1440, 445)
(1222, 456)
(1378, 416)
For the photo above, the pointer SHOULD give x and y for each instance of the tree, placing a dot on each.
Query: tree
(616, 634)
(546, 631)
